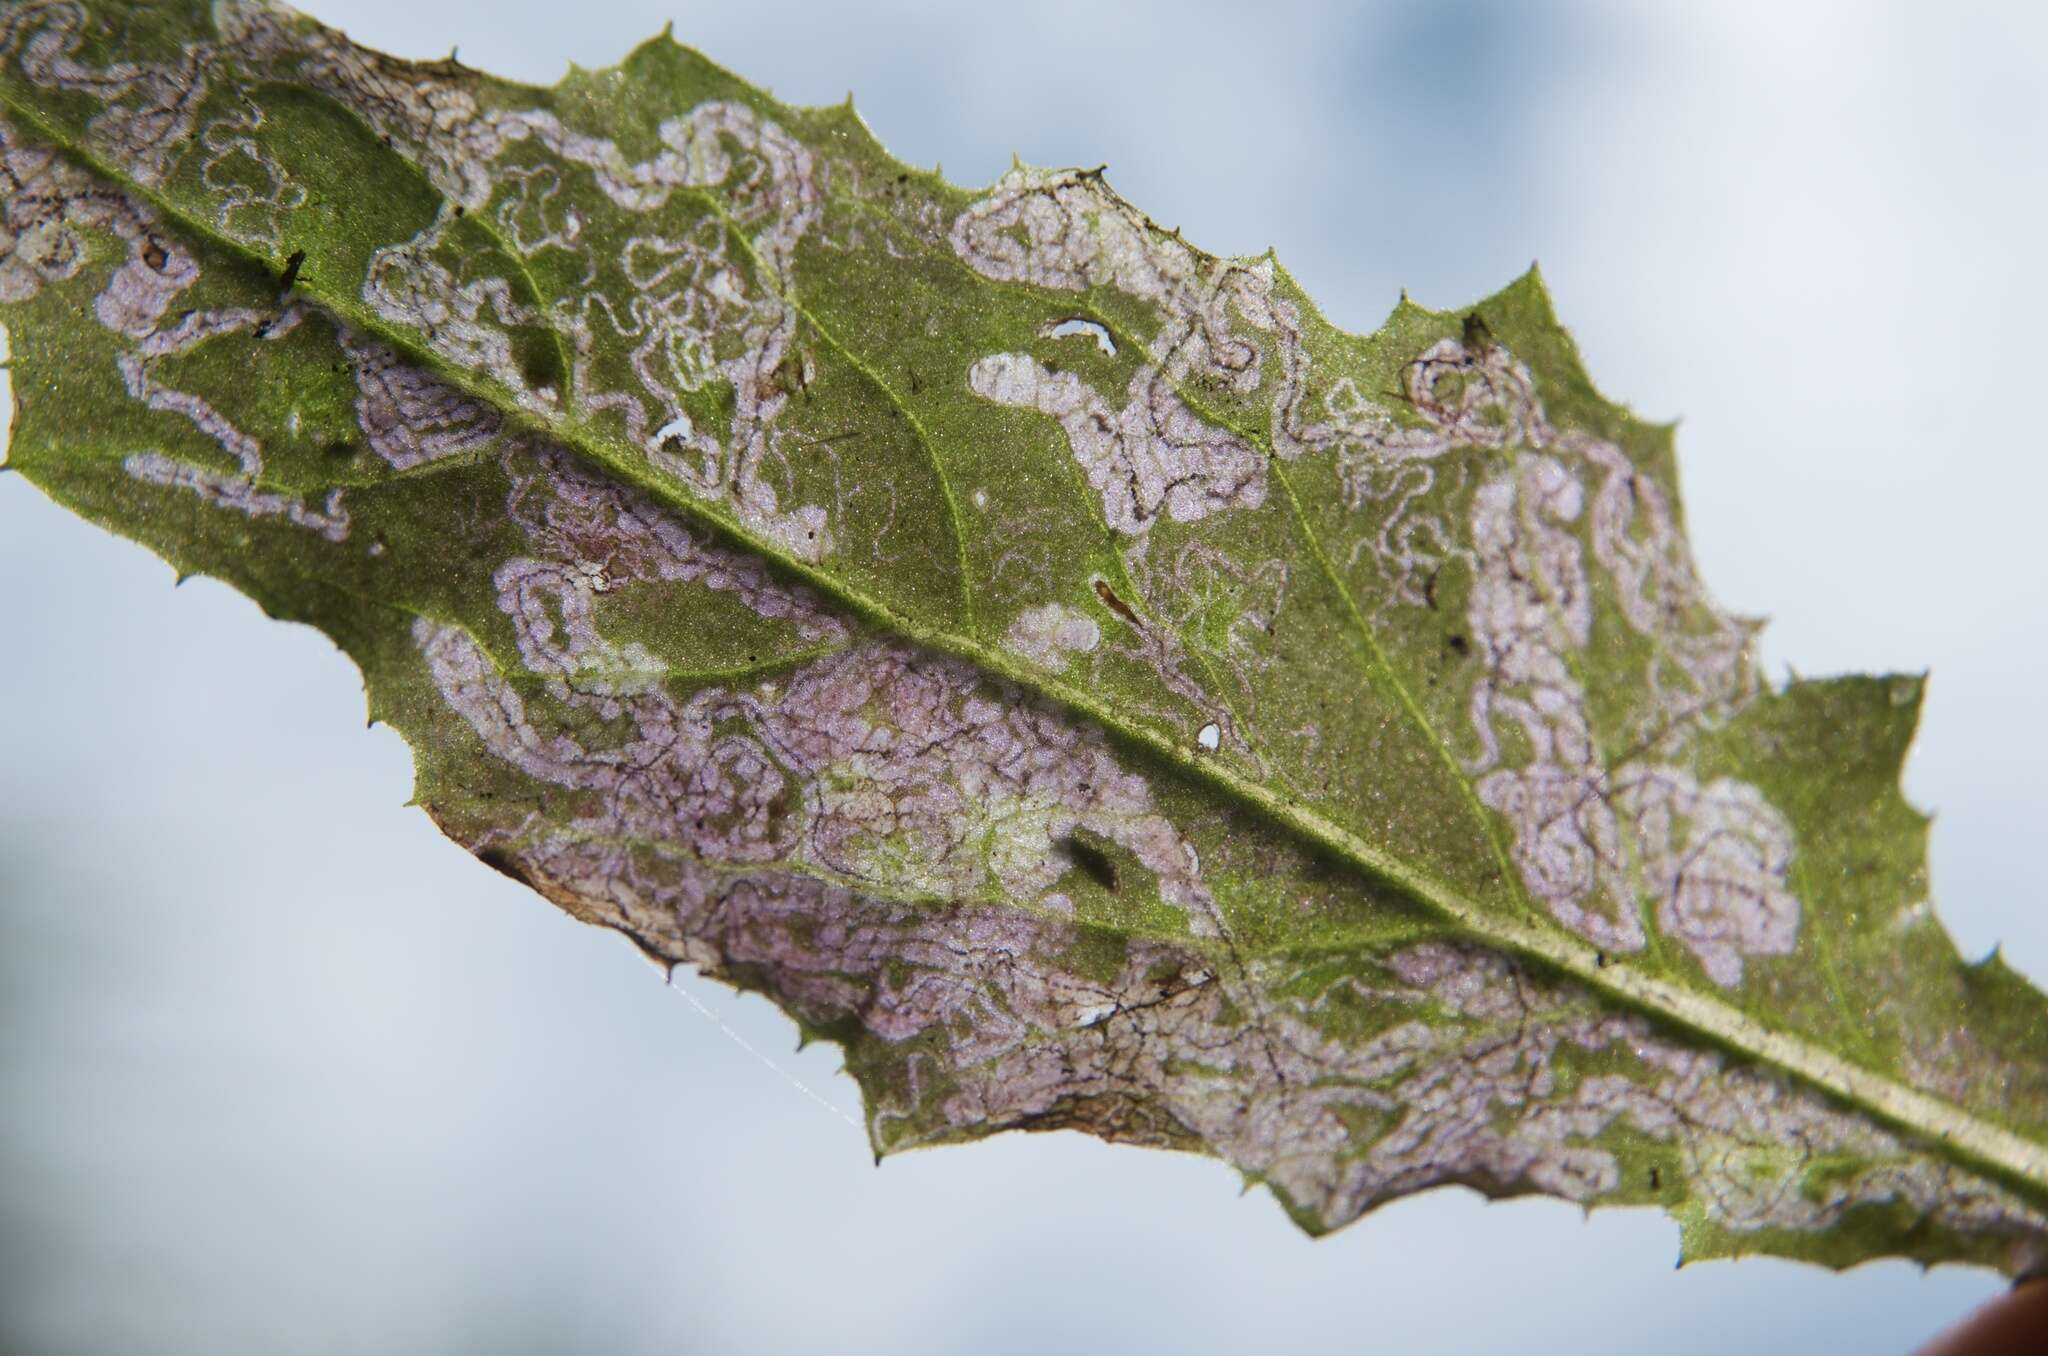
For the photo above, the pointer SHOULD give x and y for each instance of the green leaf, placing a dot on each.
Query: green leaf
(1048, 660)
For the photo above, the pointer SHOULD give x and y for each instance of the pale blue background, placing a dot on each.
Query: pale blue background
(281, 1070)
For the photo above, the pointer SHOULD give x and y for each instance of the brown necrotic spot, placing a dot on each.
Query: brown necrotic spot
(504, 863)
(1116, 604)
(1092, 862)
(540, 361)
(291, 270)
(1478, 338)
(1116, 1116)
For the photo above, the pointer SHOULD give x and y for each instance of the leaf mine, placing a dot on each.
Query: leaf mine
(1046, 659)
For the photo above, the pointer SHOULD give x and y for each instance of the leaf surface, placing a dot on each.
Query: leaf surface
(1048, 660)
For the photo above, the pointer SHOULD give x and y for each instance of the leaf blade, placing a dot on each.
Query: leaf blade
(1172, 420)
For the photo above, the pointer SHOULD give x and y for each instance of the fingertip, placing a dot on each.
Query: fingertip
(2013, 1324)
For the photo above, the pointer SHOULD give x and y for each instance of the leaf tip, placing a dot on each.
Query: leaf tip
(1532, 292)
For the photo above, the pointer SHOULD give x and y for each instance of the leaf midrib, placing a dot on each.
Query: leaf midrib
(2009, 1157)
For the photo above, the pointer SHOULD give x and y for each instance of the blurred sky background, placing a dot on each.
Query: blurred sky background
(281, 1070)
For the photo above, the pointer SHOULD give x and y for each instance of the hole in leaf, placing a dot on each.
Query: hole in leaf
(672, 436)
(1078, 325)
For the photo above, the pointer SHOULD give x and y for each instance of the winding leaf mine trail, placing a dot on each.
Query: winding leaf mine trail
(922, 606)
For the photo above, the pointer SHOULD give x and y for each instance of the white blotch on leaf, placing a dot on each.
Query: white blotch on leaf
(1153, 456)
(1049, 634)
